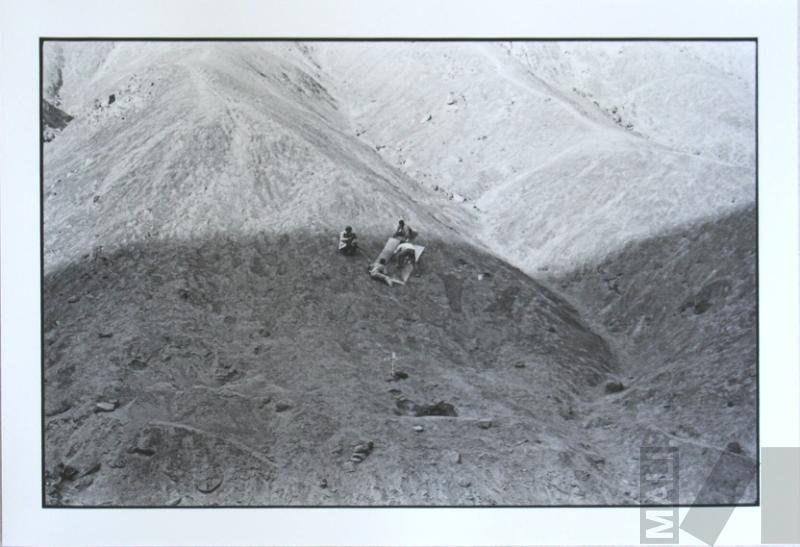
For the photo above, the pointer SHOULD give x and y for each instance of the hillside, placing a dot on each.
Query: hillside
(565, 151)
(204, 344)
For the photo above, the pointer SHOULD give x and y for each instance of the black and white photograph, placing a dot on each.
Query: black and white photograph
(398, 273)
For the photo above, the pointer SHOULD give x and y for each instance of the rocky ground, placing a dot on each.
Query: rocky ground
(250, 372)
(587, 287)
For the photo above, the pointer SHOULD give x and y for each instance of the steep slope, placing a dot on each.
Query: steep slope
(205, 344)
(198, 139)
(259, 364)
(679, 311)
(566, 150)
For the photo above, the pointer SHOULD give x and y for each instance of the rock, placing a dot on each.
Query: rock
(207, 485)
(437, 409)
(58, 408)
(137, 364)
(111, 99)
(614, 387)
(264, 402)
(349, 467)
(357, 458)
(419, 428)
(73, 299)
(464, 483)
(105, 406)
(734, 447)
(66, 472)
(519, 365)
(105, 334)
(363, 448)
(176, 501)
(455, 457)
(597, 460)
(323, 483)
(282, 407)
(485, 424)
(94, 468)
(399, 375)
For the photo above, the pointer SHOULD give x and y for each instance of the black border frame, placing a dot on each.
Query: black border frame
(43, 39)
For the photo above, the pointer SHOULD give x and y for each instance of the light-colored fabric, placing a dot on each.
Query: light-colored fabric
(408, 247)
(388, 250)
(344, 239)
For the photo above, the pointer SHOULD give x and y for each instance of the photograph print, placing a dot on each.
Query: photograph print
(399, 273)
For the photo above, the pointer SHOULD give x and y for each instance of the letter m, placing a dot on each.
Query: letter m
(664, 531)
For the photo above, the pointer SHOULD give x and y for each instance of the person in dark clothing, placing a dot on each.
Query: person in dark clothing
(404, 232)
(347, 242)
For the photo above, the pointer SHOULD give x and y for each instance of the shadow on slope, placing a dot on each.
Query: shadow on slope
(257, 372)
(680, 312)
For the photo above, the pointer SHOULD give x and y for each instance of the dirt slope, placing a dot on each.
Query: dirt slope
(201, 343)
(204, 344)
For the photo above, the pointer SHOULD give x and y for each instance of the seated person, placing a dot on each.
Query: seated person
(404, 232)
(347, 241)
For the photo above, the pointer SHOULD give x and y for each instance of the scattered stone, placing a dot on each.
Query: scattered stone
(73, 299)
(207, 485)
(597, 460)
(398, 375)
(66, 472)
(264, 402)
(363, 448)
(323, 483)
(92, 469)
(96, 199)
(119, 462)
(464, 483)
(485, 424)
(176, 501)
(734, 447)
(519, 365)
(437, 409)
(551, 329)
(419, 428)
(229, 320)
(58, 408)
(137, 364)
(455, 457)
(105, 406)
(349, 467)
(357, 458)
(614, 387)
(111, 99)
(105, 334)
(282, 407)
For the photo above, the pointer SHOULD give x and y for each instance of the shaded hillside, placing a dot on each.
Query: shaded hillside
(53, 120)
(680, 313)
(262, 362)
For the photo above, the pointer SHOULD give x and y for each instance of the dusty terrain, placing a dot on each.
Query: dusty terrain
(587, 287)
